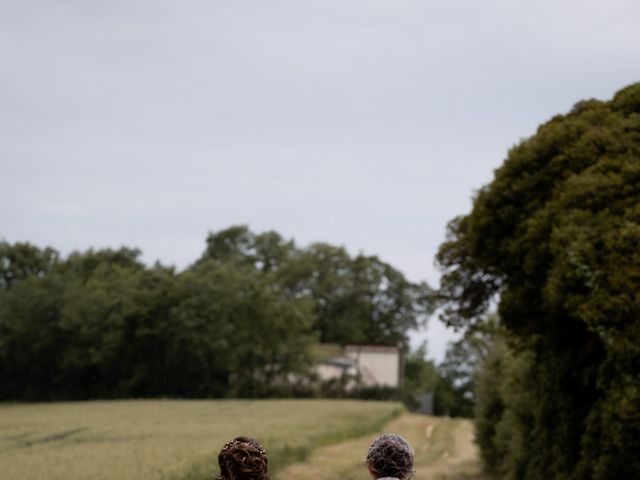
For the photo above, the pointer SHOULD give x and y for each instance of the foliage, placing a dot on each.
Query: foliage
(22, 260)
(555, 236)
(455, 389)
(359, 299)
(240, 321)
(503, 409)
(240, 329)
(420, 376)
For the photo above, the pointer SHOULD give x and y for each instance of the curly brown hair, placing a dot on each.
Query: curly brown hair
(243, 458)
(390, 456)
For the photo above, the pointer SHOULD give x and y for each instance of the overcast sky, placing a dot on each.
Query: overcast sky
(367, 124)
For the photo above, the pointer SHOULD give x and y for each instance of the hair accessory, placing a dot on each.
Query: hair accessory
(230, 444)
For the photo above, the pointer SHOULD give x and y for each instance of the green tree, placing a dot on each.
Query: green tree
(90, 326)
(21, 260)
(455, 391)
(490, 406)
(115, 321)
(503, 408)
(83, 264)
(266, 251)
(243, 336)
(359, 299)
(554, 236)
(30, 337)
(420, 375)
(238, 322)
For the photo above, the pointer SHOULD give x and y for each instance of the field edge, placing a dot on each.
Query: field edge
(283, 455)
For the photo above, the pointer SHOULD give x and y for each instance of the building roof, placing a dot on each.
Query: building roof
(370, 347)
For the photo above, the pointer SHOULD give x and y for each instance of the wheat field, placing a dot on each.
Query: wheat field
(168, 439)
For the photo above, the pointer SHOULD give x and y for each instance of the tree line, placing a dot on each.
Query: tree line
(240, 321)
(554, 241)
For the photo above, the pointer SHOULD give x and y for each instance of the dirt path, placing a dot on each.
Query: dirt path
(444, 451)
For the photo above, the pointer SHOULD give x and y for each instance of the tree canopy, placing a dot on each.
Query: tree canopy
(240, 321)
(554, 237)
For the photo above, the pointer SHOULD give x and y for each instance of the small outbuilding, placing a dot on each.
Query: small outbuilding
(377, 365)
(362, 365)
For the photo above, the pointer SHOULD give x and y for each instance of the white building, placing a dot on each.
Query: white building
(364, 365)
(377, 365)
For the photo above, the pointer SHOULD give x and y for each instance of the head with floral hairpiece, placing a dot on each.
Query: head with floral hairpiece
(390, 456)
(243, 458)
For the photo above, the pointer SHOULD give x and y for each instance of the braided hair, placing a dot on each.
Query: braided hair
(243, 458)
(390, 456)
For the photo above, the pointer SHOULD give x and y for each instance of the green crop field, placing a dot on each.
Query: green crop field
(169, 439)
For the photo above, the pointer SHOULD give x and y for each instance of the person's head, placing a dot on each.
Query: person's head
(243, 458)
(390, 456)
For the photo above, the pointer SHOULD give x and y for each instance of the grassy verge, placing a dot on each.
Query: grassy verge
(444, 451)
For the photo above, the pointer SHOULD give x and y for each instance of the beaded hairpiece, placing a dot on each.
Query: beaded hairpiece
(230, 444)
